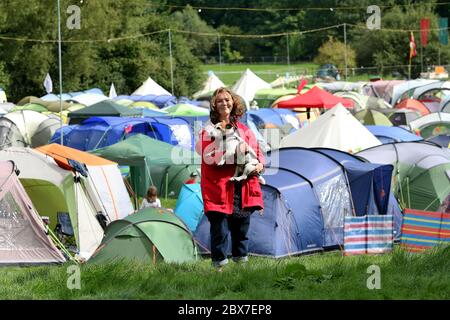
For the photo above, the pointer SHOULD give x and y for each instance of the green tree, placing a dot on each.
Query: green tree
(334, 51)
(388, 48)
(198, 39)
(88, 59)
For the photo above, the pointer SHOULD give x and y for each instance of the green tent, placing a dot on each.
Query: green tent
(152, 162)
(143, 104)
(102, 109)
(149, 235)
(372, 117)
(266, 97)
(30, 106)
(184, 109)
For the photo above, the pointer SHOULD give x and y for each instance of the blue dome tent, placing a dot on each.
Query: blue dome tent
(99, 132)
(392, 134)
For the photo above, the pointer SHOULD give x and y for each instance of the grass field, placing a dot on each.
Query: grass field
(230, 73)
(321, 276)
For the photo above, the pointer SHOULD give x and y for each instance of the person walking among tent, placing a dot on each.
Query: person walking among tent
(228, 204)
(151, 199)
(192, 178)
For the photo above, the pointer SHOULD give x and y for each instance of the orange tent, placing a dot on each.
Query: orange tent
(62, 154)
(105, 179)
(414, 105)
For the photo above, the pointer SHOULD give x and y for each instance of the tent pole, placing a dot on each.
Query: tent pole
(170, 59)
(287, 52)
(167, 183)
(407, 190)
(220, 51)
(345, 50)
(60, 72)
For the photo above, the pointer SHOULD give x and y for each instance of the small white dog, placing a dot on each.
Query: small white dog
(229, 140)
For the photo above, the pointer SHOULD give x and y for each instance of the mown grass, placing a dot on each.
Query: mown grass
(230, 73)
(321, 276)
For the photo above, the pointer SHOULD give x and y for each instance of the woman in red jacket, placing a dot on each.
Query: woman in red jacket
(228, 204)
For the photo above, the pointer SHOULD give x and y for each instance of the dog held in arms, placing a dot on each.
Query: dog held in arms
(227, 138)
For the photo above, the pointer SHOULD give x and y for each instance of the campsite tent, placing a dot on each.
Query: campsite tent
(102, 109)
(152, 162)
(23, 238)
(27, 128)
(104, 176)
(149, 86)
(392, 134)
(55, 191)
(406, 89)
(266, 118)
(291, 223)
(414, 105)
(336, 86)
(443, 140)
(382, 89)
(363, 102)
(44, 132)
(266, 97)
(336, 129)
(189, 207)
(88, 99)
(99, 132)
(184, 109)
(149, 235)
(370, 186)
(403, 117)
(372, 117)
(421, 177)
(248, 84)
(315, 98)
(10, 135)
(211, 84)
(432, 124)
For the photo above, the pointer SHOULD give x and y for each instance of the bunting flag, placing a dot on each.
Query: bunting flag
(412, 47)
(371, 234)
(424, 29)
(443, 31)
(48, 84)
(422, 230)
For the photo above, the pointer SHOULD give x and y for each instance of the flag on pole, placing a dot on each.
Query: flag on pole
(48, 85)
(424, 29)
(412, 47)
(112, 91)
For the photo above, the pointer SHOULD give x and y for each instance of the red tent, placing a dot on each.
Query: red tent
(414, 105)
(315, 98)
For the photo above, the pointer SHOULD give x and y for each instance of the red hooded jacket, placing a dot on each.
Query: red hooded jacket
(217, 189)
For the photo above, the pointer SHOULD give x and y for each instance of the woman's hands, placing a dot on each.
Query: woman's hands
(259, 168)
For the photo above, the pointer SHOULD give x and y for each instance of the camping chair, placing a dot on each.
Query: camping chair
(64, 231)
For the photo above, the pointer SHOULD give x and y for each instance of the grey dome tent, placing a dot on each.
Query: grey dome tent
(23, 238)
